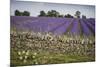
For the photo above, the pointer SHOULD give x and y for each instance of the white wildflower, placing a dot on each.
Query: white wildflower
(23, 52)
(26, 57)
(36, 62)
(33, 57)
(27, 53)
(20, 57)
(19, 53)
(35, 53)
(82, 42)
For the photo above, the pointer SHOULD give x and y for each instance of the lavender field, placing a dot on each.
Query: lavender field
(51, 40)
(54, 25)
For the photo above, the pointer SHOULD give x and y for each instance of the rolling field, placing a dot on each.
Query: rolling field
(50, 40)
(54, 25)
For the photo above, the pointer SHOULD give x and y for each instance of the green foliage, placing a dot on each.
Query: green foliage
(25, 13)
(42, 13)
(60, 16)
(53, 13)
(68, 16)
(18, 13)
(77, 14)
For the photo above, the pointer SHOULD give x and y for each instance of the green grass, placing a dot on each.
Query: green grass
(49, 58)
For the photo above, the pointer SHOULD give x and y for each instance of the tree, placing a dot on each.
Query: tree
(60, 16)
(83, 17)
(68, 16)
(52, 13)
(77, 14)
(17, 13)
(42, 13)
(49, 14)
(25, 13)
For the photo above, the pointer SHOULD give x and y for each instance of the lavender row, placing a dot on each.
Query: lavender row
(54, 25)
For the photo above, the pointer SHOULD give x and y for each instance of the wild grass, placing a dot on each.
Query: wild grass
(29, 48)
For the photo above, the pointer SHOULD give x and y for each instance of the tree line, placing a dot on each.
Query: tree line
(51, 13)
(54, 13)
(19, 13)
